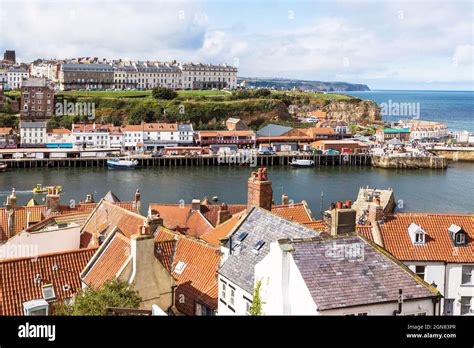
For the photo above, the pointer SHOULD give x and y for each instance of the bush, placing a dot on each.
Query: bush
(163, 93)
(90, 301)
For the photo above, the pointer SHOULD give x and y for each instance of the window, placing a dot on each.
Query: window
(467, 272)
(232, 296)
(48, 292)
(203, 309)
(419, 237)
(248, 305)
(179, 268)
(420, 271)
(460, 238)
(465, 305)
(223, 292)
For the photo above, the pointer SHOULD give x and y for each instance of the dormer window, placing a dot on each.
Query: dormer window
(457, 234)
(417, 234)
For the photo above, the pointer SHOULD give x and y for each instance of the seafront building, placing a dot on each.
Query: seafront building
(37, 100)
(122, 75)
(16, 76)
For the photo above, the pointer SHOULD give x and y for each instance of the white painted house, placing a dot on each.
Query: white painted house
(91, 136)
(439, 248)
(248, 245)
(15, 77)
(33, 133)
(345, 275)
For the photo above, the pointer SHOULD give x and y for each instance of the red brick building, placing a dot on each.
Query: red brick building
(37, 100)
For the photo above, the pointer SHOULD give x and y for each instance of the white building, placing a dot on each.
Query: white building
(15, 77)
(91, 136)
(59, 137)
(247, 246)
(43, 70)
(425, 129)
(438, 248)
(152, 136)
(207, 76)
(356, 279)
(33, 133)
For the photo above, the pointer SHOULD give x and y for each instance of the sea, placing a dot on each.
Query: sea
(456, 108)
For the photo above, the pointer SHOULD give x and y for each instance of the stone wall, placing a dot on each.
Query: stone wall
(433, 162)
(466, 154)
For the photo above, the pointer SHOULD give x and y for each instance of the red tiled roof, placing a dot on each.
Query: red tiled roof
(365, 231)
(108, 261)
(198, 280)
(317, 225)
(222, 231)
(298, 212)
(37, 214)
(108, 215)
(438, 243)
(17, 277)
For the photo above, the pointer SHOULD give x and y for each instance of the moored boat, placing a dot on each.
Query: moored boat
(122, 163)
(302, 163)
(43, 189)
(3, 166)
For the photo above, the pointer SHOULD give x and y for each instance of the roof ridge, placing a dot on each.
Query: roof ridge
(56, 253)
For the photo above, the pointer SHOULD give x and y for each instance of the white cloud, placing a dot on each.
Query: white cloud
(463, 55)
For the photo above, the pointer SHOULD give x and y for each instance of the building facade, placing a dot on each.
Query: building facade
(37, 99)
(86, 76)
(33, 134)
(15, 77)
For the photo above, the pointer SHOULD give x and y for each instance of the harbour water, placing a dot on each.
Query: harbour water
(447, 191)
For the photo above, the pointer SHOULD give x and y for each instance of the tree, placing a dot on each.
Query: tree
(91, 301)
(256, 307)
(163, 93)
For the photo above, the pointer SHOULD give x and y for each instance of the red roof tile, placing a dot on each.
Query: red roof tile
(298, 212)
(17, 277)
(108, 261)
(438, 244)
(198, 280)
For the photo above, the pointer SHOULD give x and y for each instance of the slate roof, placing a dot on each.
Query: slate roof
(273, 130)
(86, 67)
(372, 277)
(263, 225)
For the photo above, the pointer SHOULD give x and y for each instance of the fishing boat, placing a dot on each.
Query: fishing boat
(125, 163)
(3, 166)
(44, 189)
(302, 163)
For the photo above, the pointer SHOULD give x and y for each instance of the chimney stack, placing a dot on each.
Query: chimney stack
(376, 213)
(340, 218)
(196, 204)
(223, 214)
(52, 199)
(137, 201)
(284, 199)
(260, 191)
(89, 198)
(154, 221)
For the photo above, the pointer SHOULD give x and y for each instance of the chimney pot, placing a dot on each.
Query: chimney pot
(284, 199)
(339, 205)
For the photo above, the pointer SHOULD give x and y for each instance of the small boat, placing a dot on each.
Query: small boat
(302, 163)
(122, 163)
(44, 189)
(3, 166)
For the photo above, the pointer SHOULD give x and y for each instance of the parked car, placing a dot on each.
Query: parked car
(266, 151)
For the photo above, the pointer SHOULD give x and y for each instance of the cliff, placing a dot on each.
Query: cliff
(317, 86)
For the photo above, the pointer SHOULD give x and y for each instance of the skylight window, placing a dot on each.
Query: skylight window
(242, 236)
(48, 292)
(258, 246)
(180, 266)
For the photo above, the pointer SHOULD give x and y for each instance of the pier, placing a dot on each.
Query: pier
(356, 160)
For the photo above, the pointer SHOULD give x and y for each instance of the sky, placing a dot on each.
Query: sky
(418, 44)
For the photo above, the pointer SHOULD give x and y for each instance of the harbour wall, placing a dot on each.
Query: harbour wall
(401, 162)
